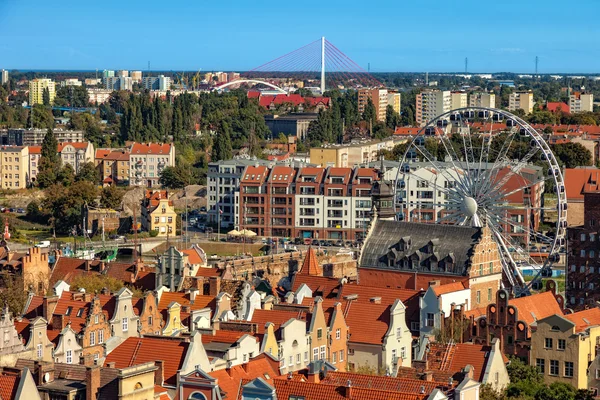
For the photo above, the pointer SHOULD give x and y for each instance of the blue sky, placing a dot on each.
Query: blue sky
(400, 35)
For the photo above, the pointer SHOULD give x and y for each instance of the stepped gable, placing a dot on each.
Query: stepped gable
(396, 244)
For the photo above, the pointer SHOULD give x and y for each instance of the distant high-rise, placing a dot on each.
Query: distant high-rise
(430, 103)
(482, 100)
(123, 74)
(136, 76)
(160, 82)
(36, 90)
(118, 83)
(521, 100)
(581, 102)
(459, 100)
(379, 98)
(4, 77)
(108, 73)
(394, 100)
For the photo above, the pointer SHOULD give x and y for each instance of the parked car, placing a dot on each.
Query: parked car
(316, 242)
(339, 243)
(203, 209)
(298, 241)
(20, 210)
(193, 220)
(288, 248)
(43, 244)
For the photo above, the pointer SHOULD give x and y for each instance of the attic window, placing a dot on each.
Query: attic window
(80, 312)
(69, 309)
(292, 397)
(555, 328)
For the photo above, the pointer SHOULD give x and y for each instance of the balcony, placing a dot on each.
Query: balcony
(279, 201)
(251, 200)
(252, 210)
(252, 221)
(308, 212)
(335, 203)
(363, 193)
(307, 222)
(307, 202)
(251, 189)
(335, 224)
(280, 221)
(335, 192)
(279, 190)
(308, 190)
(279, 211)
(335, 213)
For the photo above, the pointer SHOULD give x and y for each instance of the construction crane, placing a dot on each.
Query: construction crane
(182, 81)
(196, 80)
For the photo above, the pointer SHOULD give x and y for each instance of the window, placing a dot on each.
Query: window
(319, 333)
(582, 237)
(69, 309)
(291, 361)
(489, 294)
(510, 339)
(298, 358)
(491, 267)
(322, 352)
(69, 356)
(414, 326)
(334, 359)
(394, 355)
(338, 333)
(548, 343)
(562, 344)
(398, 332)
(125, 324)
(540, 363)
(403, 352)
(150, 320)
(582, 253)
(429, 321)
(478, 297)
(96, 319)
(306, 356)
(92, 338)
(40, 350)
(554, 367)
(101, 336)
(569, 369)
(341, 355)
(315, 354)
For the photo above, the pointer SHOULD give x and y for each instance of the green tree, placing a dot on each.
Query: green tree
(13, 294)
(49, 165)
(222, 149)
(112, 197)
(572, 155)
(392, 118)
(46, 96)
(177, 177)
(40, 117)
(556, 391)
(64, 204)
(369, 113)
(66, 175)
(87, 172)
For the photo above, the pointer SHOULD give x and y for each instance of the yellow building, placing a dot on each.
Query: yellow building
(459, 100)
(563, 345)
(14, 162)
(521, 100)
(329, 157)
(36, 90)
(158, 213)
(394, 100)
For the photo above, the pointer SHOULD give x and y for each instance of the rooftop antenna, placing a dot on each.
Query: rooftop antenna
(148, 66)
(426, 78)
(369, 67)
(466, 64)
(536, 64)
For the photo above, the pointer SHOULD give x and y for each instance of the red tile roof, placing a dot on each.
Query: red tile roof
(150, 148)
(476, 312)
(556, 106)
(134, 351)
(254, 174)
(35, 149)
(368, 322)
(402, 385)
(310, 266)
(319, 391)
(193, 256)
(76, 145)
(578, 180)
(281, 174)
(584, 319)
(183, 299)
(259, 367)
(454, 357)
(320, 285)
(535, 307)
(276, 317)
(448, 288)
(221, 336)
(399, 279)
(9, 383)
(406, 131)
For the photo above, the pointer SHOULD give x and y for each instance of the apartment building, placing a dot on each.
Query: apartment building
(4, 77)
(353, 154)
(76, 153)
(113, 165)
(117, 83)
(581, 102)
(522, 101)
(36, 90)
(147, 162)
(35, 152)
(480, 99)
(562, 346)
(35, 137)
(158, 213)
(136, 76)
(98, 96)
(394, 100)
(459, 100)
(71, 82)
(430, 103)
(159, 82)
(123, 74)
(379, 98)
(107, 73)
(14, 163)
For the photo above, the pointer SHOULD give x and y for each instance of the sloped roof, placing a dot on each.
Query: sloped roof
(555, 106)
(150, 148)
(325, 285)
(200, 301)
(310, 266)
(134, 351)
(454, 357)
(404, 279)
(584, 319)
(457, 241)
(35, 149)
(576, 180)
(389, 383)
(368, 322)
(258, 367)
(319, 391)
(535, 307)
(276, 317)
(448, 288)
(9, 383)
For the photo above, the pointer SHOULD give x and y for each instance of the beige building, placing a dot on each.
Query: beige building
(521, 100)
(14, 162)
(350, 155)
(482, 100)
(379, 97)
(563, 345)
(394, 100)
(459, 100)
(147, 162)
(581, 102)
(98, 96)
(430, 103)
(136, 76)
(76, 153)
(158, 213)
(36, 90)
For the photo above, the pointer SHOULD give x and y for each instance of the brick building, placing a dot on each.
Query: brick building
(32, 267)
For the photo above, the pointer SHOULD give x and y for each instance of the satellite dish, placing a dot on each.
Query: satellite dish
(46, 377)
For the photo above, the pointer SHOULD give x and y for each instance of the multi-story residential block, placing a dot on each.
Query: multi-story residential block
(394, 100)
(117, 83)
(76, 153)
(459, 100)
(36, 90)
(158, 213)
(122, 74)
(98, 96)
(107, 73)
(14, 167)
(351, 155)
(4, 77)
(92, 82)
(430, 103)
(379, 98)
(521, 101)
(480, 99)
(113, 165)
(160, 82)
(71, 82)
(147, 162)
(35, 137)
(136, 76)
(581, 102)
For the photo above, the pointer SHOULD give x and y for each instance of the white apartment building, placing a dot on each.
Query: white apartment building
(430, 103)
(459, 100)
(98, 96)
(147, 162)
(123, 74)
(4, 77)
(71, 82)
(482, 100)
(76, 153)
(581, 102)
(136, 76)
(521, 100)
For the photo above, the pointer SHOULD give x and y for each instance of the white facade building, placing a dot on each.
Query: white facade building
(430, 103)
(581, 102)
(482, 100)
(437, 301)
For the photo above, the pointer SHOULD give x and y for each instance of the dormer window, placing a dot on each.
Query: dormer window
(69, 309)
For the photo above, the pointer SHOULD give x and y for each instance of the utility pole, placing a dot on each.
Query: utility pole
(135, 233)
(466, 64)
(322, 65)
(536, 64)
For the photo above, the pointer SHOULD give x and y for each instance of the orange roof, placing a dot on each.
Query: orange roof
(319, 391)
(454, 357)
(535, 307)
(78, 311)
(183, 299)
(150, 148)
(208, 272)
(281, 174)
(193, 256)
(256, 174)
(134, 351)
(276, 317)
(448, 288)
(35, 149)
(311, 264)
(324, 286)
(576, 180)
(584, 319)
(476, 312)
(401, 279)
(368, 322)
(77, 145)
(100, 153)
(402, 385)
(259, 367)
(9, 383)
(406, 131)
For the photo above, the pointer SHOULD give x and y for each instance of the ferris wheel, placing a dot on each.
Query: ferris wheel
(480, 167)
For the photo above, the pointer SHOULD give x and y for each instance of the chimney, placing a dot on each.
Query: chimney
(375, 300)
(427, 376)
(348, 389)
(159, 376)
(214, 285)
(434, 283)
(48, 306)
(87, 297)
(87, 265)
(111, 364)
(193, 294)
(420, 365)
(40, 369)
(92, 382)
(314, 371)
(469, 371)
